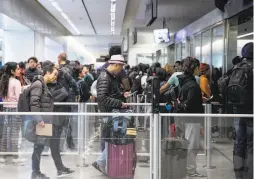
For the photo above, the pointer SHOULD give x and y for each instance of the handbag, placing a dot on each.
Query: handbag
(60, 94)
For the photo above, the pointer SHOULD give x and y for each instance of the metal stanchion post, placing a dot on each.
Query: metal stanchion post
(220, 125)
(155, 146)
(205, 130)
(159, 145)
(138, 111)
(151, 146)
(145, 119)
(209, 139)
(156, 111)
(82, 139)
(79, 130)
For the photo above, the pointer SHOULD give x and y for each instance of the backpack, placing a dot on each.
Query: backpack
(115, 130)
(24, 100)
(84, 94)
(223, 83)
(236, 92)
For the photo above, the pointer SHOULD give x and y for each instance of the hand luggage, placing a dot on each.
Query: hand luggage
(174, 158)
(121, 162)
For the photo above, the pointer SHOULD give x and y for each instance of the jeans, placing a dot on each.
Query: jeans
(55, 151)
(243, 148)
(102, 160)
(104, 147)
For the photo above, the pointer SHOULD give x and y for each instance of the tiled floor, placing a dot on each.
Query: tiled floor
(223, 170)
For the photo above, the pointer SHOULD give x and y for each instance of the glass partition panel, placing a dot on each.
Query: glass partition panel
(218, 47)
(145, 58)
(206, 47)
(178, 52)
(198, 47)
(183, 49)
(217, 52)
(113, 151)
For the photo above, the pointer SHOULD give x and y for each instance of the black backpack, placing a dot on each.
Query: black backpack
(236, 93)
(223, 83)
(24, 100)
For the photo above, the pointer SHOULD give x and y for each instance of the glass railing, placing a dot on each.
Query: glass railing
(167, 145)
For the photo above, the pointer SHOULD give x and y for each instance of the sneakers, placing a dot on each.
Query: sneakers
(100, 169)
(64, 172)
(38, 175)
(196, 175)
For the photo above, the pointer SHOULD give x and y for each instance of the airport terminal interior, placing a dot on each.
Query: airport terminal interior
(147, 32)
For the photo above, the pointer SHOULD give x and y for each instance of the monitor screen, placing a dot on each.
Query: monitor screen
(161, 36)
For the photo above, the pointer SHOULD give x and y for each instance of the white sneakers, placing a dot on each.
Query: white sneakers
(18, 161)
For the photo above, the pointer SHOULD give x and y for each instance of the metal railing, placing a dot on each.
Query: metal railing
(155, 130)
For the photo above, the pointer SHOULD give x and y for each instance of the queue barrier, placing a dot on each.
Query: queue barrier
(155, 130)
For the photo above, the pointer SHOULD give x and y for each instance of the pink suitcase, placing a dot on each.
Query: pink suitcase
(121, 161)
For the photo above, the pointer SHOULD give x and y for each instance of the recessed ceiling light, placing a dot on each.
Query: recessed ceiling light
(64, 16)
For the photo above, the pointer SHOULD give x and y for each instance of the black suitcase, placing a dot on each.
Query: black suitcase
(174, 158)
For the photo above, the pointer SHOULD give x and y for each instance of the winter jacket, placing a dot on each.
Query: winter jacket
(31, 73)
(190, 95)
(109, 95)
(84, 90)
(41, 100)
(65, 79)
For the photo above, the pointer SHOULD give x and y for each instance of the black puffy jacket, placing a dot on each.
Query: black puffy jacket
(41, 100)
(109, 95)
(31, 73)
(190, 95)
(65, 80)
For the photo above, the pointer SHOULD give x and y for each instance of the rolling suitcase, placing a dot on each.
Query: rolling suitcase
(174, 158)
(121, 161)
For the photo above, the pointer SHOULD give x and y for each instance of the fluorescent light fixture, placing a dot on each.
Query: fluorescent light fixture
(56, 6)
(74, 27)
(113, 16)
(113, 7)
(113, 23)
(245, 35)
(64, 16)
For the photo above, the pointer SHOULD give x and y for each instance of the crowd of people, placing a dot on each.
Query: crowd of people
(185, 86)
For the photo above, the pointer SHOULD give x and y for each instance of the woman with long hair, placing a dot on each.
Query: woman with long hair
(10, 89)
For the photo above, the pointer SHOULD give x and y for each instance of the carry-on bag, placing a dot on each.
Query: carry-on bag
(122, 161)
(174, 158)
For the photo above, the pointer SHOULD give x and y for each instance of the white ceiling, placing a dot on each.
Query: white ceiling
(99, 11)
